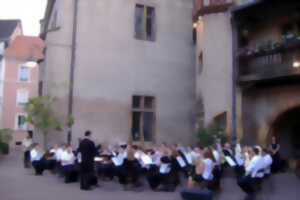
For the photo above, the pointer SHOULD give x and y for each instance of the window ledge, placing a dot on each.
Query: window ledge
(53, 29)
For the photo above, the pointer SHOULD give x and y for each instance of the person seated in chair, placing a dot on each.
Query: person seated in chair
(204, 167)
(36, 159)
(68, 165)
(251, 179)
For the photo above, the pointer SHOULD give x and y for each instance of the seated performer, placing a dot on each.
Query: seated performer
(68, 167)
(161, 179)
(130, 170)
(36, 159)
(203, 170)
(252, 178)
(267, 162)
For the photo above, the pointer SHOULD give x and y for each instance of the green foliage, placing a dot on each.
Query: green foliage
(4, 148)
(40, 113)
(206, 135)
(6, 135)
(70, 121)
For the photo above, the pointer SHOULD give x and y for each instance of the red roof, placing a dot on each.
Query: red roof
(25, 47)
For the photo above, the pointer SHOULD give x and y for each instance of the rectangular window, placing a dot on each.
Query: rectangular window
(144, 22)
(24, 74)
(22, 97)
(143, 118)
(20, 122)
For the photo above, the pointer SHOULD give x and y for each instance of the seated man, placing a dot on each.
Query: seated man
(252, 177)
(36, 159)
(68, 167)
(267, 162)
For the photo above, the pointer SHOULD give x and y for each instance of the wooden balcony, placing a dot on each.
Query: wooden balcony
(202, 7)
(272, 66)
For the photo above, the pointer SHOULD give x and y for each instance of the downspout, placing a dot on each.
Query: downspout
(233, 108)
(72, 68)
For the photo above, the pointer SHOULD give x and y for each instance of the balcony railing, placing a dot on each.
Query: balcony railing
(202, 7)
(275, 65)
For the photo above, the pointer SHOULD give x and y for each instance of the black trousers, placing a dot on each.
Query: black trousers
(27, 159)
(38, 167)
(70, 173)
(249, 185)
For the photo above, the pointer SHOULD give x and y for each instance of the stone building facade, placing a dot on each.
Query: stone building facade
(133, 60)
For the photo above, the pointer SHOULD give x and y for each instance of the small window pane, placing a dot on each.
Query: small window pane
(21, 122)
(24, 74)
(148, 126)
(149, 102)
(136, 102)
(136, 135)
(149, 23)
(139, 10)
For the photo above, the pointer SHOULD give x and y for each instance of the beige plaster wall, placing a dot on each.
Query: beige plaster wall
(111, 66)
(214, 84)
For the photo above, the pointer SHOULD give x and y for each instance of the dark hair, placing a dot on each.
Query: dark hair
(255, 150)
(87, 133)
(266, 150)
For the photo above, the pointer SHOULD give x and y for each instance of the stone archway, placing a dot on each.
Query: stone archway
(284, 122)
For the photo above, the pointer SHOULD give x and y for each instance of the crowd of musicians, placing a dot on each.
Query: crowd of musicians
(164, 167)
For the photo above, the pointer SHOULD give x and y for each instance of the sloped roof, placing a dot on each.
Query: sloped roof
(7, 27)
(25, 47)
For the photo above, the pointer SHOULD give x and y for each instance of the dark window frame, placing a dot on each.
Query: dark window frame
(143, 110)
(145, 18)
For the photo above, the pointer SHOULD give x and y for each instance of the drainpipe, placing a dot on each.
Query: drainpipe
(72, 68)
(234, 44)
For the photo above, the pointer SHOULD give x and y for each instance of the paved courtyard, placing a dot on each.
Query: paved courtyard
(17, 183)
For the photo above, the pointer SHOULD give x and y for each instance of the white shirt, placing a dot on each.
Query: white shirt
(217, 157)
(67, 158)
(58, 154)
(209, 166)
(267, 163)
(255, 165)
(26, 143)
(35, 155)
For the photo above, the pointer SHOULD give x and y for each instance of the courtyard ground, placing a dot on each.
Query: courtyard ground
(17, 183)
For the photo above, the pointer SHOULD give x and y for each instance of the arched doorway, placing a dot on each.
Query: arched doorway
(287, 128)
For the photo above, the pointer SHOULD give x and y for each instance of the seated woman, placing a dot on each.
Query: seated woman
(36, 159)
(68, 168)
(203, 170)
(164, 179)
(129, 172)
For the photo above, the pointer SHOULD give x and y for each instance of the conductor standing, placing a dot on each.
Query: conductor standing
(87, 150)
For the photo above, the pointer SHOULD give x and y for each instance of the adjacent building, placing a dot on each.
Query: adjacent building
(123, 69)
(19, 82)
(9, 30)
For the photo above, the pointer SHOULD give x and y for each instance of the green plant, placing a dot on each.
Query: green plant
(4, 148)
(206, 135)
(41, 115)
(70, 121)
(6, 135)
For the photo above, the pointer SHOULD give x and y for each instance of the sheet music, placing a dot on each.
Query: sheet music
(117, 161)
(97, 159)
(146, 160)
(164, 168)
(180, 161)
(230, 161)
(189, 158)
